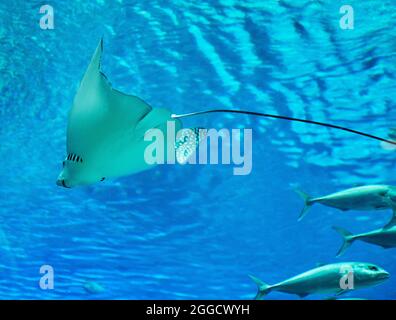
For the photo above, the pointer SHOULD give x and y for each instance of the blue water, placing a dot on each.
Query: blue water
(194, 232)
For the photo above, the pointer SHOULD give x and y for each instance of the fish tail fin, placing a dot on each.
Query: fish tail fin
(347, 238)
(307, 203)
(263, 288)
(392, 221)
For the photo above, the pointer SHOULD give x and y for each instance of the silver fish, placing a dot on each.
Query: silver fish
(326, 279)
(385, 238)
(371, 197)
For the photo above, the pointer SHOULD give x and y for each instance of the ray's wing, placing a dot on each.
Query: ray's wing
(95, 92)
(98, 109)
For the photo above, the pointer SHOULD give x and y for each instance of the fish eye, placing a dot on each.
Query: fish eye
(374, 268)
(63, 164)
(102, 179)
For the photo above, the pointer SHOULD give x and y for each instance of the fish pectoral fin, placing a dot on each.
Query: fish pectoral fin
(187, 142)
(302, 295)
(338, 293)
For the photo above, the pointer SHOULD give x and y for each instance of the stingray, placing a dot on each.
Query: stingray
(106, 130)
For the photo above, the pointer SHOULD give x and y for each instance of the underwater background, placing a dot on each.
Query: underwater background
(194, 232)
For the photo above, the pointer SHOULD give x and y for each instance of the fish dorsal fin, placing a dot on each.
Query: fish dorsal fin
(392, 133)
(358, 184)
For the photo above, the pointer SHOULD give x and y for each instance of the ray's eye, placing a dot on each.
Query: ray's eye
(102, 179)
(373, 268)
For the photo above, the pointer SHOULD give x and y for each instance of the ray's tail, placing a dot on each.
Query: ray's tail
(275, 116)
